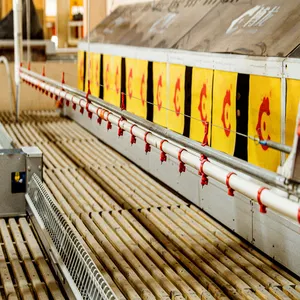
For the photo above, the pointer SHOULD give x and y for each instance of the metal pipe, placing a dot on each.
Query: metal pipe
(18, 47)
(4, 60)
(28, 29)
(249, 189)
(269, 177)
(277, 146)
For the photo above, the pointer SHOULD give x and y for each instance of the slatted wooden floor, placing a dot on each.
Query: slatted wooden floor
(24, 269)
(148, 243)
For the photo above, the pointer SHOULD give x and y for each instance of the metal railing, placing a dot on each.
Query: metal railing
(83, 272)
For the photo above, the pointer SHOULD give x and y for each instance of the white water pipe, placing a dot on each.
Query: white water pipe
(251, 190)
(18, 47)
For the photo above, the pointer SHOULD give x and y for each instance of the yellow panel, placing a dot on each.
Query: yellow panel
(293, 99)
(112, 79)
(160, 100)
(264, 120)
(201, 103)
(136, 86)
(80, 69)
(95, 74)
(176, 101)
(224, 111)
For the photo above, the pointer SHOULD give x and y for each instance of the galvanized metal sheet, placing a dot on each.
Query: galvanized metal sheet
(258, 27)
(165, 23)
(118, 23)
(142, 26)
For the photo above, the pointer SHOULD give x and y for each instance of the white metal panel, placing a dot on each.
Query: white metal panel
(185, 184)
(234, 212)
(278, 237)
(265, 66)
(291, 68)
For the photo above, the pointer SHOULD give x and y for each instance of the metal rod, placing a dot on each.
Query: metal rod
(282, 118)
(88, 39)
(17, 5)
(28, 28)
(277, 146)
(269, 177)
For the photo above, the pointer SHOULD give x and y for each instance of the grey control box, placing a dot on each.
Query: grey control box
(16, 168)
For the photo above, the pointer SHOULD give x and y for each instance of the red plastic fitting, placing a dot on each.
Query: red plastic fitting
(74, 106)
(163, 156)
(99, 119)
(51, 93)
(230, 189)
(204, 179)
(120, 130)
(132, 138)
(108, 125)
(81, 107)
(299, 215)
(262, 207)
(182, 167)
(68, 101)
(147, 145)
(61, 100)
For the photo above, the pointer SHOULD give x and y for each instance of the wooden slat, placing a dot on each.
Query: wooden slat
(174, 249)
(39, 258)
(226, 249)
(38, 286)
(14, 262)
(261, 262)
(173, 272)
(6, 278)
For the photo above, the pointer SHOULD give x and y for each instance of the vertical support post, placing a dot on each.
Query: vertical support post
(283, 117)
(28, 29)
(62, 22)
(18, 36)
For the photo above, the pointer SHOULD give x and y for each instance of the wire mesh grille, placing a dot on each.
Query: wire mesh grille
(86, 276)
